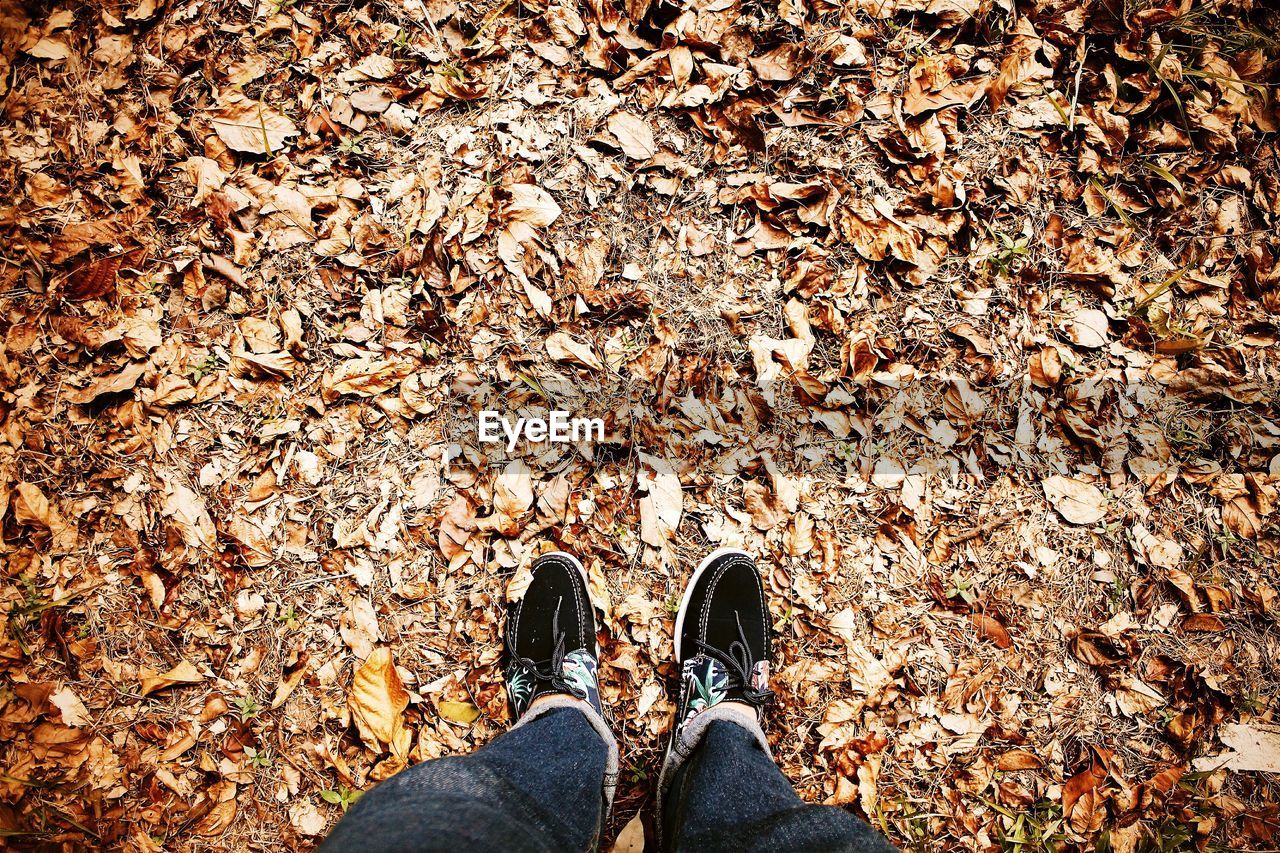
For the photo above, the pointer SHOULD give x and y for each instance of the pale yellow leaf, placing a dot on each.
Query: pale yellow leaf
(377, 700)
(633, 134)
(1075, 500)
(248, 126)
(533, 205)
(562, 347)
(459, 712)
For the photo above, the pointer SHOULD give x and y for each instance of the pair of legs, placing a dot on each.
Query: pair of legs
(548, 783)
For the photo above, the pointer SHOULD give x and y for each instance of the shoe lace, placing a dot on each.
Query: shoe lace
(739, 665)
(549, 670)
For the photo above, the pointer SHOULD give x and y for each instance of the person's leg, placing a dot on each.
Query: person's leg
(537, 787)
(729, 795)
(719, 788)
(545, 785)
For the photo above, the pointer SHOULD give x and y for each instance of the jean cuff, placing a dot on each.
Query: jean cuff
(691, 734)
(547, 704)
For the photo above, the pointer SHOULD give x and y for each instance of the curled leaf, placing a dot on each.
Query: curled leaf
(377, 701)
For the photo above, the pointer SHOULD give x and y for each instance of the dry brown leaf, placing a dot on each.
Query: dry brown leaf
(220, 799)
(1079, 796)
(32, 508)
(289, 681)
(1075, 500)
(532, 205)
(1134, 696)
(306, 818)
(94, 280)
(513, 491)
(631, 839)
(767, 512)
(377, 701)
(1089, 328)
(633, 134)
(456, 526)
(255, 546)
(73, 711)
(512, 498)
(366, 377)
(663, 504)
(115, 383)
(187, 510)
(1018, 759)
(184, 673)
(251, 127)
(782, 63)
(1206, 623)
(1255, 747)
(358, 626)
(1096, 649)
(562, 347)
(1045, 367)
(989, 628)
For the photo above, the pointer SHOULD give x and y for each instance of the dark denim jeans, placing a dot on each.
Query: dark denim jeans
(538, 787)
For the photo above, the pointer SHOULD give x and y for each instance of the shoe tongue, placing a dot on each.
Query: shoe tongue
(713, 673)
(579, 669)
(578, 660)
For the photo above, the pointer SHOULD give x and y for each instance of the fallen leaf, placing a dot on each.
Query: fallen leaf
(513, 490)
(74, 713)
(1255, 747)
(1206, 623)
(562, 347)
(663, 503)
(1096, 649)
(33, 509)
(366, 377)
(633, 134)
(1018, 759)
(631, 838)
(306, 818)
(1075, 500)
(115, 383)
(377, 701)
(94, 280)
(1135, 696)
(767, 512)
(1045, 367)
(250, 127)
(989, 628)
(1089, 329)
(188, 511)
(533, 205)
(463, 713)
(358, 626)
(184, 673)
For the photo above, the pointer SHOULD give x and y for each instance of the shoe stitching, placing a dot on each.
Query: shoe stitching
(764, 606)
(730, 562)
(577, 597)
(707, 599)
(764, 615)
(574, 576)
(515, 630)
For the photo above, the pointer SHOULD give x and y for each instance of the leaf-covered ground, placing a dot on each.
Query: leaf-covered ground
(962, 314)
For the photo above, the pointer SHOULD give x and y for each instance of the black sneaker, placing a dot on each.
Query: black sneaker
(723, 642)
(551, 636)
